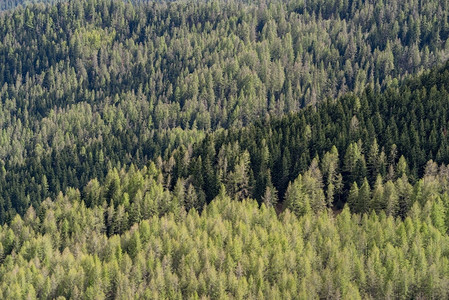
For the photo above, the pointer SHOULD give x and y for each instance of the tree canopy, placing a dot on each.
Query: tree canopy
(224, 149)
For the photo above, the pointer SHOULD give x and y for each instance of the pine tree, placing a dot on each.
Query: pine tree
(391, 199)
(364, 198)
(239, 178)
(270, 197)
(329, 165)
(378, 200)
(296, 199)
(353, 198)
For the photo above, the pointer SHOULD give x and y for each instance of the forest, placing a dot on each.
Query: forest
(224, 149)
(89, 85)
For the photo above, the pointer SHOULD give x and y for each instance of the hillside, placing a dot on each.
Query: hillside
(224, 149)
(136, 236)
(233, 250)
(377, 134)
(91, 85)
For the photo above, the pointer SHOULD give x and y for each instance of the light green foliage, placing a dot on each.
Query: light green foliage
(87, 86)
(232, 250)
(134, 135)
(305, 195)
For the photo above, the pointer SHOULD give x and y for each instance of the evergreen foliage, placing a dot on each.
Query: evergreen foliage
(377, 139)
(234, 250)
(224, 149)
(89, 85)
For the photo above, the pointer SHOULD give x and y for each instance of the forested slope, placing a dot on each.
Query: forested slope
(224, 149)
(375, 137)
(91, 85)
(10, 4)
(138, 235)
(233, 250)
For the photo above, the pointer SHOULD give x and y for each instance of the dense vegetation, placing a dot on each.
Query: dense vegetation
(377, 137)
(132, 237)
(8, 4)
(224, 149)
(91, 85)
(232, 250)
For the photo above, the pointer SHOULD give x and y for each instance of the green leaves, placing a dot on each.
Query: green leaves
(233, 249)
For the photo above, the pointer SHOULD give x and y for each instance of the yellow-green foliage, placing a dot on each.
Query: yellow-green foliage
(234, 250)
(92, 39)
